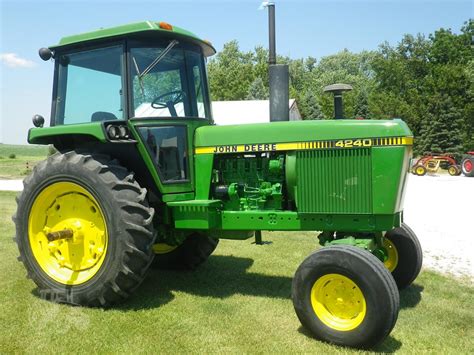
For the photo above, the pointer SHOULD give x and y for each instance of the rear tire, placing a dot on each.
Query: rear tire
(409, 255)
(467, 167)
(194, 251)
(107, 213)
(344, 295)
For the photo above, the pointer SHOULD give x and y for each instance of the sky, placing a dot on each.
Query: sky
(304, 28)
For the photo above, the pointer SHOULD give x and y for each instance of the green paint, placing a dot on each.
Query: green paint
(297, 131)
(47, 135)
(129, 30)
(389, 171)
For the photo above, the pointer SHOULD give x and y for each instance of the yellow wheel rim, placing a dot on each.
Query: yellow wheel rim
(452, 170)
(76, 256)
(162, 248)
(420, 170)
(392, 255)
(338, 302)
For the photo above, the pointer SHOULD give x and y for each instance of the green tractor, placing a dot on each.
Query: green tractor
(142, 176)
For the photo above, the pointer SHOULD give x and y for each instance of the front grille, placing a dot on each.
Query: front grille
(334, 181)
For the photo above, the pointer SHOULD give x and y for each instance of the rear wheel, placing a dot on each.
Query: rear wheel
(194, 251)
(467, 167)
(84, 229)
(344, 295)
(405, 256)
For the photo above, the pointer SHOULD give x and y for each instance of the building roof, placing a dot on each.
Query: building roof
(247, 111)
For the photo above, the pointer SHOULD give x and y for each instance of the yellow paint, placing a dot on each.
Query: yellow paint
(420, 170)
(392, 255)
(162, 248)
(329, 144)
(67, 205)
(338, 302)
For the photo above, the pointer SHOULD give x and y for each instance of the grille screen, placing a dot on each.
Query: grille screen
(334, 181)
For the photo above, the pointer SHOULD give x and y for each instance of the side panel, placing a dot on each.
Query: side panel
(389, 171)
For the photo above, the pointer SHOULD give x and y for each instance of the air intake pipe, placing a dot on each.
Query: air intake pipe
(337, 90)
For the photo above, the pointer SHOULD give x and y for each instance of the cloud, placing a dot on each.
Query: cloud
(12, 60)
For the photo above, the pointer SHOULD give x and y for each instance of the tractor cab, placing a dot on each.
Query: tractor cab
(147, 83)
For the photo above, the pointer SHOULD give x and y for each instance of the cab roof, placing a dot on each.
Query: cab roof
(144, 27)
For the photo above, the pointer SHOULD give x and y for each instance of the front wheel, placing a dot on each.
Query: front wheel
(454, 170)
(84, 229)
(344, 295)
(404, 255)
(420, 170)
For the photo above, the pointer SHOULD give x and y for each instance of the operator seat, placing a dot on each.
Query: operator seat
(100, 116)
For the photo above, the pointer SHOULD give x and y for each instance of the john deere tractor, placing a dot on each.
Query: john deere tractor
(142, 175)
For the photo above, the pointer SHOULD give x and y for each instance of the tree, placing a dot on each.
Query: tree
(362, 105)
(230, 73)
(310, 108)
(442, 128)
(257, 90)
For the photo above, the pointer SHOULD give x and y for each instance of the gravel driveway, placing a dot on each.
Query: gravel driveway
(440, 209)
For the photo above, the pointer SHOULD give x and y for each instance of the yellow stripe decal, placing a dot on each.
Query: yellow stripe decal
(328, 144)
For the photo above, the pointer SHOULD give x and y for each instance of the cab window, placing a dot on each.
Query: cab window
(168, 81)
(167, 147)
(90, 86)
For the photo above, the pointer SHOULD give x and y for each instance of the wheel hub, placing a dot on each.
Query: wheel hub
(468, 166)
(67, 232)
(338, 302)
(391, 259)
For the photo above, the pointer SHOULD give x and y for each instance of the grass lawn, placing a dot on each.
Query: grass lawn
(238, 302)
(25, 158)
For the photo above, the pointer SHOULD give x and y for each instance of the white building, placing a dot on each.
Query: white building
(247, 111)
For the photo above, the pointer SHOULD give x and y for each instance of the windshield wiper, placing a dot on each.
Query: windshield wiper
(152, 64)
(158, 59)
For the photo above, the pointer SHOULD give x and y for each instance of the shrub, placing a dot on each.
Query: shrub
(12, 156)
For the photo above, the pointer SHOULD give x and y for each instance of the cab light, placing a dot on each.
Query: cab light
(165, 26)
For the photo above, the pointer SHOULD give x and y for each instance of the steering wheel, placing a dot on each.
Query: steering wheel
(169, 100)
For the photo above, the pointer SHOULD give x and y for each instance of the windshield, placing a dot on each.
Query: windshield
(168, 81)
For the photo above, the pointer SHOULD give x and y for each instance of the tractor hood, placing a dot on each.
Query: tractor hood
(225, 138)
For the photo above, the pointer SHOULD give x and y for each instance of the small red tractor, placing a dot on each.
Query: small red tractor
(432, 163)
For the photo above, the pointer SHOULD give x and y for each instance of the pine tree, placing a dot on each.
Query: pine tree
(311, 110)
(441, 131)
(257, 90)
(362, 105)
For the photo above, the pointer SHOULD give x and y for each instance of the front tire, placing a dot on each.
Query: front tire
(345, 296)
(84, 229)
(405, 256)
(454, 170)
(420, 170)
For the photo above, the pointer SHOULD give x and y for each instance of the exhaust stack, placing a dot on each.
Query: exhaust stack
(278, 74)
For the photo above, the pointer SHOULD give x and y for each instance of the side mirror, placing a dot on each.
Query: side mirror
(38, 120)
(45, 53)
